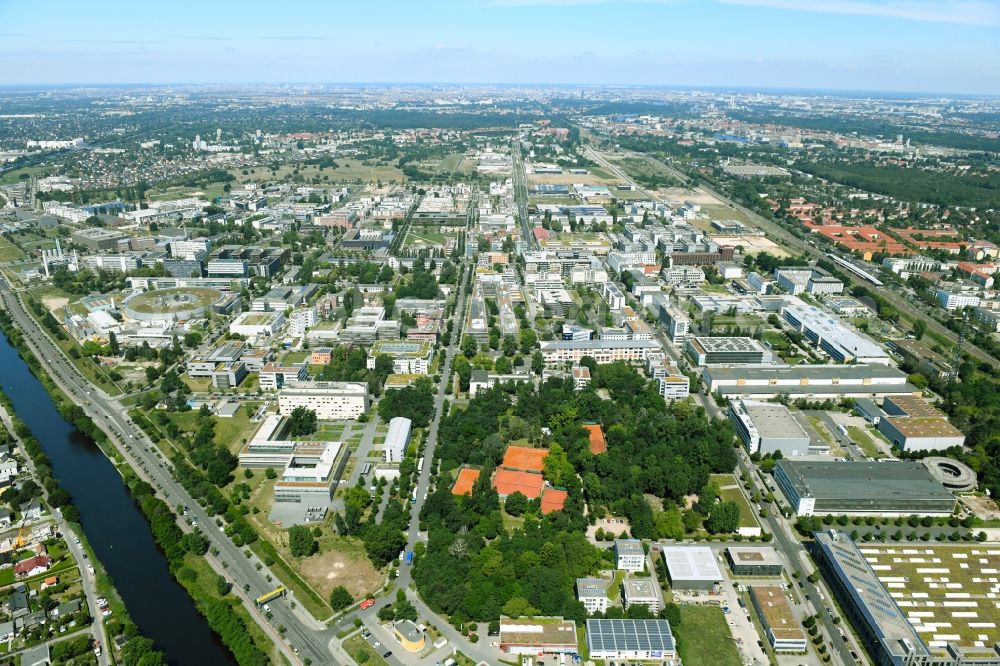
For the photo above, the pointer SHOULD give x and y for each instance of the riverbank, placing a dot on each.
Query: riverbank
(121, 623)
(224, 613)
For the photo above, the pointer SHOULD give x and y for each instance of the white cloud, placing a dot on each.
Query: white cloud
(965, 12)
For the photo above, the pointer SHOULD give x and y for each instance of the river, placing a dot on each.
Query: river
(114, 525)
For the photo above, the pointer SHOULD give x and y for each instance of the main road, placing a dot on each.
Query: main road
(309, 639)
(778, 233)
(521, 194)
(793, 549)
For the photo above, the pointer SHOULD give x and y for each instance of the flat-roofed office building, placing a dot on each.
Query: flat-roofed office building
(691, 567)
(602, 351)
(767, 427)
(862, 487)
(641, 640)
(753, 561)
(332, 401)
(808, 381)
(780, 626)
(727, 351)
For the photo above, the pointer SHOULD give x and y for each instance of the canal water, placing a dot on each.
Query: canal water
(114, 525)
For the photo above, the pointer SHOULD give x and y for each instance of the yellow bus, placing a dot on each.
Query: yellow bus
(273, 594)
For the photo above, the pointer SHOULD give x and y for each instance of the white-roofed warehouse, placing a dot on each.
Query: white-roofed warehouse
(691, 567)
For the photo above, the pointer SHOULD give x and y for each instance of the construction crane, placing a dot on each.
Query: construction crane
(20, 542)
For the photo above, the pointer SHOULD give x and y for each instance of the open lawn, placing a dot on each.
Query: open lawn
(229, 433)
(703, 638)
(9, 251)
(724, 212)
(294, 357)
(730, 491)
(208, 193)
(356, 646)
(861, 438)
(12, 177)
(646, 173)
(449, 163)
(418, 237)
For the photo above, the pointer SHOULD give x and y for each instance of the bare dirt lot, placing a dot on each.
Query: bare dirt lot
(678, 195)
(752, 244)
(983, 507)
(53, 303)
(344, 564)
(570, 179)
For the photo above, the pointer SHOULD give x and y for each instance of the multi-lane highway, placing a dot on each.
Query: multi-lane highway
(303, 636)
(521, 194)
(142, 455)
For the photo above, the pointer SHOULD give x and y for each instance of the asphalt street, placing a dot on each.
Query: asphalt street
(141, 453)
(776, 232)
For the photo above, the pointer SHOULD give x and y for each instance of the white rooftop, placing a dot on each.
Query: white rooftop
(691, 563)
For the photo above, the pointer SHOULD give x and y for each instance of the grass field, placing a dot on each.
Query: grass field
(820, 428)
(723, 212)
(730, 491)
(355, 645)
(208, 193)
(12, 177)
(347, 169)
(950, 593)
(9, 251)
(450, 163)
(645, 173)
(861, 438)
(293, 357)
(703, 638)
(86, 366)
(229, 433)
(420, 238)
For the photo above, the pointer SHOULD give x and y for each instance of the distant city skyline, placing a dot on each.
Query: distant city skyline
(944, 46)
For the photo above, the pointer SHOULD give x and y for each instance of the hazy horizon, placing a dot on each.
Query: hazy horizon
(943, 47)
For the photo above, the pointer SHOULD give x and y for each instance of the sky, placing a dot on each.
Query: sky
(945, 46)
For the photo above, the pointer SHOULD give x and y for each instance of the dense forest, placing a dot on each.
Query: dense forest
(653, 449)
(866, 127)
(913, 184)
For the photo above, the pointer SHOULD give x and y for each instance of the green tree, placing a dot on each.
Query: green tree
(519, 607)
(340, 598)
(528, 340)
(301, 422)
(301, 541)
(509, 345)
(469, 347)
(557, 467)
(537, 362)
(516, 503)
(724, 518)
